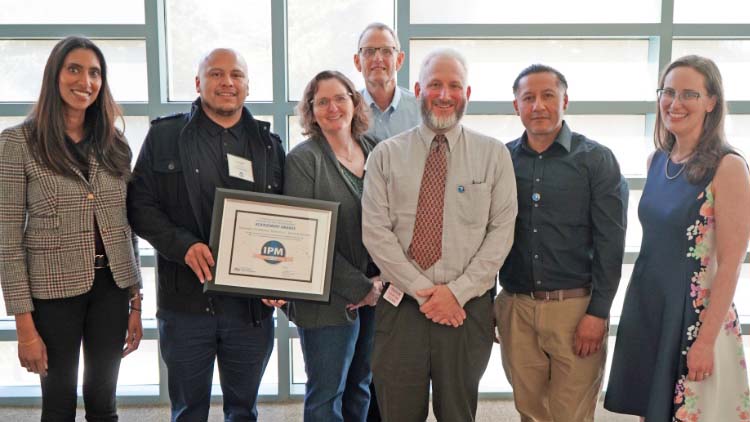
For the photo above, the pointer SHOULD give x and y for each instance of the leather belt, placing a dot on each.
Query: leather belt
(560, 294)
(100, 261)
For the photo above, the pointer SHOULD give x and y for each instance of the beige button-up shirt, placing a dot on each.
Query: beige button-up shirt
(478, 220)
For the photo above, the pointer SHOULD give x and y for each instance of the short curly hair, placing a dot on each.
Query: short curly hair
(360, 119)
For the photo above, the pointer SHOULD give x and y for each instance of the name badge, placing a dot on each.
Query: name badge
(240, 168)
(393, 295)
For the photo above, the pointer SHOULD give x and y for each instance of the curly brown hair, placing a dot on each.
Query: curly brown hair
(360, 119)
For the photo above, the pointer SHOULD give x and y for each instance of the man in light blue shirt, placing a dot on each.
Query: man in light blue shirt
(392, 109)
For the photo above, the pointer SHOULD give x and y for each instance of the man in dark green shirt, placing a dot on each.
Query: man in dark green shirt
(563, 270)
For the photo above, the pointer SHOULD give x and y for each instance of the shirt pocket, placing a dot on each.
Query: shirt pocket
(169, 177)
(473, 203)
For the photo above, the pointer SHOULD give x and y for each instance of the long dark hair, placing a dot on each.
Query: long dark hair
(310, 127)
(712, 144)
(46, 121)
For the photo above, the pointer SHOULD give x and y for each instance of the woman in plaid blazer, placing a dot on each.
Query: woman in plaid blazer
(68, 263)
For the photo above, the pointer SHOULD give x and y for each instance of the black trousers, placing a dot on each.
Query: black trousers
(99, 319)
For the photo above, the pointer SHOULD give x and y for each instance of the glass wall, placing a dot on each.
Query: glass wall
(611, 53)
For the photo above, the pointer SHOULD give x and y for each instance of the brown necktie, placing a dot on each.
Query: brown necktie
(427, 242)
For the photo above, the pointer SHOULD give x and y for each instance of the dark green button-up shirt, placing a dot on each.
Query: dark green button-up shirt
(570, 229)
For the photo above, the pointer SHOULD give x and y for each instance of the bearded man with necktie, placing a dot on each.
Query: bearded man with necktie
(438, 210)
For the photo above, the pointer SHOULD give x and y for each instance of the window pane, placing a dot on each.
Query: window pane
(136, 128)
(138, 368)
(299, 376)
(626, 136)
(73, 12)
(540, 11)
(295, 133)
(737, 127)
(616, 309)
(323, 35)
(732, 57)
(590, 66)
(148, 274)
(8, 121)
(634, 232)
(503, 128)
(494, 379)
(720, 11)
(194, 28)
(12, 374)
(742, 296)
(23, 63)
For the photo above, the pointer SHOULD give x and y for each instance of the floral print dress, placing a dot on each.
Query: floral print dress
(664, 305)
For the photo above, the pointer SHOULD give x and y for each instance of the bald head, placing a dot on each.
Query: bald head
(223, 85)
(226, 53)
(442, 55)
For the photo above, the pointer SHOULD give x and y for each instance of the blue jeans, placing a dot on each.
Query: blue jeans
(189, 344)
(337, 363)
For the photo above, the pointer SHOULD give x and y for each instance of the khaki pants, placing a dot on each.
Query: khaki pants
(550, 383)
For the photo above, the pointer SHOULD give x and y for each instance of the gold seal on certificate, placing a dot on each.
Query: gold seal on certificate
(272, 246)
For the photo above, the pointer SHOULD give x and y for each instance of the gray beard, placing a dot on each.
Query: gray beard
(440, 124)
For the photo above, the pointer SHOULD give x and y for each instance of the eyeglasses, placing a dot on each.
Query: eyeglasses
(385, 52)
(324, 102)
(669, 94)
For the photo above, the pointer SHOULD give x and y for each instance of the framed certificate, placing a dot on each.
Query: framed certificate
(272, 246)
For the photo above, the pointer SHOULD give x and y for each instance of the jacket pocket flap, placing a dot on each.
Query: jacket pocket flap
(41, 223)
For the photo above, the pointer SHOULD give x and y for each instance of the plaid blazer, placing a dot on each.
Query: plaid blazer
(47, 227)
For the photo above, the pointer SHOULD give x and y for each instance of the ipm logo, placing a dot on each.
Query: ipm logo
(273, 252)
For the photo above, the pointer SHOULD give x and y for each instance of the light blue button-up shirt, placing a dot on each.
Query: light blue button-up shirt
(401, 115)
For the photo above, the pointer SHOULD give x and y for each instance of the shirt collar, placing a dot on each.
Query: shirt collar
(563, 138)
(394, 103)
(427, 135)
(213, 129)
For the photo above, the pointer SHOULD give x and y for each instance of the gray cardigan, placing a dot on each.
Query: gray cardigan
(312, 171)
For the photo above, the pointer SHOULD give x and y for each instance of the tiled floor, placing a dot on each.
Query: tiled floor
(489, 411)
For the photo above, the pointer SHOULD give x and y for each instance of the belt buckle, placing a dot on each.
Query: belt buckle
(98, 261)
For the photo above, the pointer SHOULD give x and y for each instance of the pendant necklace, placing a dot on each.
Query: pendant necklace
(666, 167)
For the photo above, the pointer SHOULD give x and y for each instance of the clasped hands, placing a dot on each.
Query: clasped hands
(441, 306)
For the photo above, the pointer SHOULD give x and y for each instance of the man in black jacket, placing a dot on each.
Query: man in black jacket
(184, 159)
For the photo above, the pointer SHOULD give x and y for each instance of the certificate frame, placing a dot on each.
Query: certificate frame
(272, 246)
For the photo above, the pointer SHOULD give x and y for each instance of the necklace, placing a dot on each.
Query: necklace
(347, 159)
(350, 153)
(666, 168)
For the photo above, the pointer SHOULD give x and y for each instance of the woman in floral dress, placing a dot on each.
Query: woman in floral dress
(679, 355)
